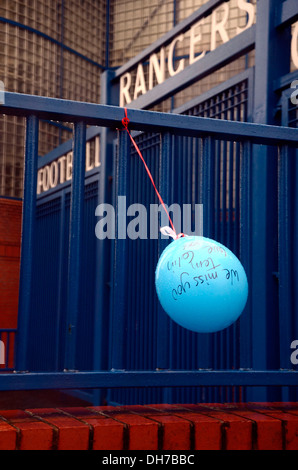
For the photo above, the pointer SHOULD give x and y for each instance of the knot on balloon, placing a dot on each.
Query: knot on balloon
(171, 233)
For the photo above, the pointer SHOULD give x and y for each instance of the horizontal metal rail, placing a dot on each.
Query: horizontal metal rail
(18, 104)
(288, 13)
(115, 379)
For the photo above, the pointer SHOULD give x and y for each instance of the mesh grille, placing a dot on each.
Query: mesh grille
(32, 62)
(292, 114)
(230, 104)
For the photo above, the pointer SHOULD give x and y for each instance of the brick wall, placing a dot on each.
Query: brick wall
(255, 426)
(10, 237)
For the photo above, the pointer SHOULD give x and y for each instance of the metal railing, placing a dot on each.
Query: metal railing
(254, 139)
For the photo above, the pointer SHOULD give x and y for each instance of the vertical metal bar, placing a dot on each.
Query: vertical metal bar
(233, 330)
(231, 157)
(248, 111)
(204, 349)
(224, 193)
(27, 242)
(286, 211)
(295, 254)
(243, 198)
(101, 350)
(245, 322)
(146, 328)
(208, 186)
(103, 248)
(270, 42)
(138, 359)
(164, 328)
(287, 233)
(119, 307)
(236, 205)
(217, 190)
(132, 296)
(163, 322)
(236, 224)
(224, 335)
(285, 254)
(260, 261)
(61, 275)
(75, 243)
(207, 198)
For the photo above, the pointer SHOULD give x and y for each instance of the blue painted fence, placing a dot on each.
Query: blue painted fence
(66, 341)
(89, 318)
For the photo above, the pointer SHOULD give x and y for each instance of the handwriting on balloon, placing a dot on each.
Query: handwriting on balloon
(188, 258)
(181, 288)
(232, 274)
(187, 281)
(205, 278)
(215, 249)
(210, 248)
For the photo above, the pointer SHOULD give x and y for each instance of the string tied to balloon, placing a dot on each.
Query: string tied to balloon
(222, 295)
(168, 231)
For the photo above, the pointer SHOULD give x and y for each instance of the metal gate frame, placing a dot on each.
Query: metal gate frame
(271, 30)
(82, 114)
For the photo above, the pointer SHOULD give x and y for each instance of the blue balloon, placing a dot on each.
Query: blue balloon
(201, 284)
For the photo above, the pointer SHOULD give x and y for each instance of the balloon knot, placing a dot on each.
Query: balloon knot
(171, 233)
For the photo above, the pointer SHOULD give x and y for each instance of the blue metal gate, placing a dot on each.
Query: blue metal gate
(188, 168)
(89, 317)
(132, 316)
